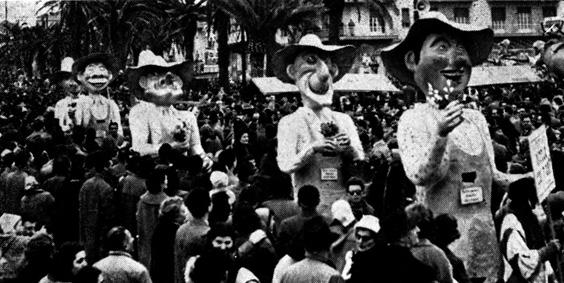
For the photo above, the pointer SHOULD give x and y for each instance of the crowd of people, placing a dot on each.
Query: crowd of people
(167, 219)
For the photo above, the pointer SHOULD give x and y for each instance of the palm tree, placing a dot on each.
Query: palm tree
(381, 8)
(261, 20)
(182, 23)
(76, 20)
(121, 23)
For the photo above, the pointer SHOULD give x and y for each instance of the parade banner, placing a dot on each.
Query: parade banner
(542, 163)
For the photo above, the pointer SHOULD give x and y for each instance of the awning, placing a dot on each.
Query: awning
(349, 83)
(495, 75)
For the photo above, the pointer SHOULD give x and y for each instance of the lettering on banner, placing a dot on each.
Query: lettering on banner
(542, 163)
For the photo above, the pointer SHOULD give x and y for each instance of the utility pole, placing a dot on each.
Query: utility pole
(6, 10)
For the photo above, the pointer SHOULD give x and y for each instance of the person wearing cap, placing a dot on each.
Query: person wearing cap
(65, 108)
(95, 72)
(154, 121)
(446, 149)
(314, 142)
(358, 261)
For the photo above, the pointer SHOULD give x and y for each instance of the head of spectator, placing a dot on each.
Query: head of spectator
(397, 230)
(342, 212)
(221, 236)
(173, 209)
(219, 180)
(355, 189)
(98, 161)
(198, 203)
(119, 239)
(211, 267)
(227, 159)
(447, 230)
(65, 263)
(155, 182)
(61, 165)
(220, 207)
(422, 217)
(366, 232)
(246, 220)
(22, 159)
(89, 274)
(317, 236)
(308, 198)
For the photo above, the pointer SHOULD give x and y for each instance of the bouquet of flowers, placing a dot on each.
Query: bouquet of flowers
(440, 99)
(329, 130)
(179, 134)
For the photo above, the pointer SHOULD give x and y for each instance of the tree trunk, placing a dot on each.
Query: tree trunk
(336, 8)
(257, 62)
(189, 40)
(222, 26)
(244, 67)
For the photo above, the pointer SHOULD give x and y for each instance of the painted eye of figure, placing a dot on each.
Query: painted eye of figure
(311, 59)
(442, 47)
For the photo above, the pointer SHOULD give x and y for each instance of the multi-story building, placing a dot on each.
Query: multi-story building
(516, 20)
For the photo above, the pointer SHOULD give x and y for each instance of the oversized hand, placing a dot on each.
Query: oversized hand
(343, 140)
(449, 118)
(180, 145)
(324, 146)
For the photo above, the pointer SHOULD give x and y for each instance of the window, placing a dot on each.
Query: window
(498, 18)
(374, 23)
(405, 21)
(461, 15)
(524, 21)
(548, 11)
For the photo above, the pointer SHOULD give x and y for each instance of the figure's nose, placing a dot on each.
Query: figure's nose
(319, 81)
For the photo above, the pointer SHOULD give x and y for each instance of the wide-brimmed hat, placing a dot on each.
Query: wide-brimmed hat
(65, 72)
(340, 55)
(107, 59)
(478, 42)
(149, 62)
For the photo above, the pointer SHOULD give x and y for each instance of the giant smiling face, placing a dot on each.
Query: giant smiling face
(443, 62)
(162, 88)
(95, 77)
(313, 73)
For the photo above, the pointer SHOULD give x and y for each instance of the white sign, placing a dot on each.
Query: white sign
(329, 174)
(471, 195)
(542, 163)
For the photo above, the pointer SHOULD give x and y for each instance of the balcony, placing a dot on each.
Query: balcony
(353, 34)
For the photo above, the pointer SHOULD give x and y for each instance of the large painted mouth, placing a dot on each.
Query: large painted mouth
(454, 75)
(98, 82)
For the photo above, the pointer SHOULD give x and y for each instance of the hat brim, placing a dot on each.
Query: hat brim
(108, 60)
(478, 43)
(342, 56)
(183, 69)
(60, 76)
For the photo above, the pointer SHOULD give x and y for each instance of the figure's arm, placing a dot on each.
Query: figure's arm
(194, 142)
(289, 160)
(116, 117)
(139, 127)
(424, 154)
(356, 146)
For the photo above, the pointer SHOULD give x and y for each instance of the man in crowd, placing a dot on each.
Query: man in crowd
(188, 237)
(446, 149)
(119, 266)
(96, 207)
(316, 143)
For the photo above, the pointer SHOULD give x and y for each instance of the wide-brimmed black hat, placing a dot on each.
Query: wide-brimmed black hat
(341, 55)
(107, 59)
(478, 42)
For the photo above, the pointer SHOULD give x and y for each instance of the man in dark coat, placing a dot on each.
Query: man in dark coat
(96, 208)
